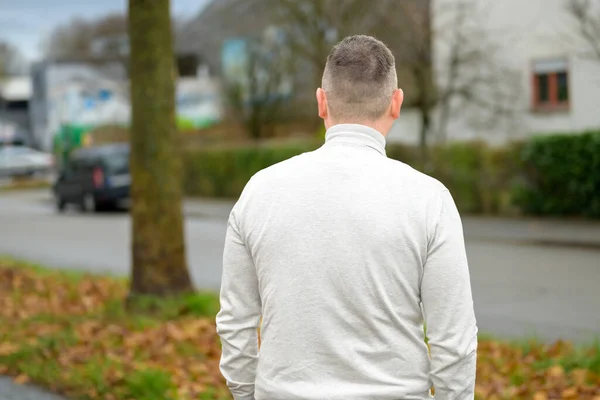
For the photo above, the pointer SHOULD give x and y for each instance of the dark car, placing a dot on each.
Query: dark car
(94, 178)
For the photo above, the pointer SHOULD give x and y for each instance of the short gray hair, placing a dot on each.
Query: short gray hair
(359, 79)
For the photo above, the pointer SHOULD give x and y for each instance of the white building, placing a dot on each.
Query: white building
(537, 76)
(77, 93)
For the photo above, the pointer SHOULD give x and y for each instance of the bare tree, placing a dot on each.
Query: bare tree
(451, 62)
(466, 64)
(313, 26)
(471, 73)
(258, 92)
(11, 61)
(95, 39)
(586, 14)
(407, 27)
(158, 245)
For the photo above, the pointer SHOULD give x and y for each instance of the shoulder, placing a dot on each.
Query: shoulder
(416, 179)
(281, 170)
(432, 196)
(267, 179)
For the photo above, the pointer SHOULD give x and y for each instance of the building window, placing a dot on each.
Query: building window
(551, 85)
(562, 79)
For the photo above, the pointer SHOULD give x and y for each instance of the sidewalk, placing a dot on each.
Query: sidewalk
(538, 231)
(12, 391)
(208, 208)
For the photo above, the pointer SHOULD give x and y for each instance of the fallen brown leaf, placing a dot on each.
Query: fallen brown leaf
(540, 396)
(570, 393)
(21, 379)
(7, 348)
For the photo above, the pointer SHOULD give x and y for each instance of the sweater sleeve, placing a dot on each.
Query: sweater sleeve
(239, 317)
(448, 306)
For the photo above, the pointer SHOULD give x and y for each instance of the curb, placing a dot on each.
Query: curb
(13, 391)
(573, 244)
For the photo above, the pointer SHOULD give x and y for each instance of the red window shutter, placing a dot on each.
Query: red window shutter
(553, 88)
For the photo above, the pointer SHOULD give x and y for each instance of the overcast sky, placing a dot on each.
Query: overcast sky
(25, 23)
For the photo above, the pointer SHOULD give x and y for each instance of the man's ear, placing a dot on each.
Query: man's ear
(397, 100)
(322, 103)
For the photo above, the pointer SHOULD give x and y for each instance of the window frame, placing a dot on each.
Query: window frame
(553, 104)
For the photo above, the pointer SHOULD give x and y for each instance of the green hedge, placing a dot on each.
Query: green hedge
(477, 176)
(224, 171)
(561, 175)
(480, 178)
(551, 175)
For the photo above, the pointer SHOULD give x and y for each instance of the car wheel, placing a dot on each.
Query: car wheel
(88, 203)
(60, 203)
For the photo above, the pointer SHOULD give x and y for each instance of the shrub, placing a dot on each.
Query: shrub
(550, 175)
(476, 175)
(479, 177)
(405, 153)
(224, 171)
(461, 168)
(561, 175)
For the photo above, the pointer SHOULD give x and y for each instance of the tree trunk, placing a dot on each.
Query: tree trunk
(158, 245)
(424, 86)
(425, 126)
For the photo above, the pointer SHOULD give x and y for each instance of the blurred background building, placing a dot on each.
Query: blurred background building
(471, 70)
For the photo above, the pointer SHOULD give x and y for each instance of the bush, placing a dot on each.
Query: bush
(551, 175)
(476, 175)
(461, 167)
(561, 175)
(224, 171)
(479, 177)
(405, 153)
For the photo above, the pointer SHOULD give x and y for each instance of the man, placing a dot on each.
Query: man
(345, 254)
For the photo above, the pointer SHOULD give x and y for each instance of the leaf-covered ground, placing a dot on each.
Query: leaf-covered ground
(72, 334)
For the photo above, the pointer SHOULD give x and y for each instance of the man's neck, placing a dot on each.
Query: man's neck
(377, 125)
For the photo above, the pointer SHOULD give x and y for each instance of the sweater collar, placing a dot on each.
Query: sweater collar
(356, 134)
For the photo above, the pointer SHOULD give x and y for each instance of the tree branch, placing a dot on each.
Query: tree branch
(587, 16)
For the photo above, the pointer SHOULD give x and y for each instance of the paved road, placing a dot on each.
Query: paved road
(31, 229)
(523, 282)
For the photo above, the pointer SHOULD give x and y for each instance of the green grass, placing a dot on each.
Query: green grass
(199, 304)
(73, 276)
(150, 384)
(517, 378)
(587, 357)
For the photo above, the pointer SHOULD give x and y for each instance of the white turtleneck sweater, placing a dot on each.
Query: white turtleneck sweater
(346, 254)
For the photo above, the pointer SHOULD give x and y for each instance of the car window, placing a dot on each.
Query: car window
(76, 164)
(117, 162)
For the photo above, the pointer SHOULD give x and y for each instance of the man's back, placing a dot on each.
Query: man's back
(340, 240)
